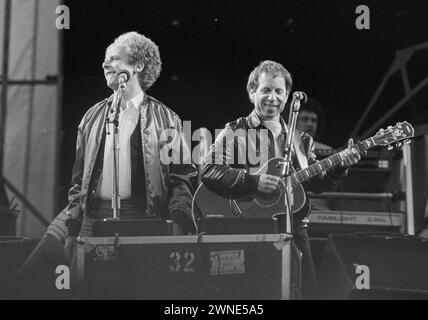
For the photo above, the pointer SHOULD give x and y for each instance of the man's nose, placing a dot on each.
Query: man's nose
(106, 65)
(272, 96)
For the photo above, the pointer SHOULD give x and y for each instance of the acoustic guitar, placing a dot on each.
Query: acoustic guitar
(209, 204)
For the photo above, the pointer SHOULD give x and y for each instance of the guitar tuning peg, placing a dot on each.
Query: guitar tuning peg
(390, 148)
(399, 144)
(408, 141)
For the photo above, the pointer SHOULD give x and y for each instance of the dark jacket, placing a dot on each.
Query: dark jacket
(228, 167)
(167, 187)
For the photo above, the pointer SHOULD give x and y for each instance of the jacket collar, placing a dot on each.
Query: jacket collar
(145, 100)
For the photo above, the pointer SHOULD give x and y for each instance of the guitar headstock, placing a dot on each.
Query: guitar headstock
(397, 134)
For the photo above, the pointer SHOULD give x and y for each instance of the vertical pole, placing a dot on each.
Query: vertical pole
(29, 127)
(59, 96)
(286, 265)
(4, 202)
(408, 182)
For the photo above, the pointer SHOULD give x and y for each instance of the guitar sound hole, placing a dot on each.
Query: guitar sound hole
(268, 199)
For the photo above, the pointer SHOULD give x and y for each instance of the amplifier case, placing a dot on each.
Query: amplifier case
(397, 266)
(257, 266)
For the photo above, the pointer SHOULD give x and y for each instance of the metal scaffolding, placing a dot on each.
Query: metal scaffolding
(402, 57)
(400, 63)
(19, 187)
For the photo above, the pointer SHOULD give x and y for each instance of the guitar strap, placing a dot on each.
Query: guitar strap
(298, 145)
(299, 148)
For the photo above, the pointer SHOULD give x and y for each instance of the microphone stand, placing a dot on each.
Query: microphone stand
(292, 120)
(115, 201)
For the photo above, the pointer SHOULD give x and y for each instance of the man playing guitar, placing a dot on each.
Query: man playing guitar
(234, 164)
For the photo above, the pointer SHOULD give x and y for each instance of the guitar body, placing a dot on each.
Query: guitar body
(209, 204)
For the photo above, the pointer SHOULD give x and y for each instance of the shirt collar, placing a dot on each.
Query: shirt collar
(136, 101)
(254, 121)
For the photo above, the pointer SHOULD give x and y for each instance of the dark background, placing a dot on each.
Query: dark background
(208, 49)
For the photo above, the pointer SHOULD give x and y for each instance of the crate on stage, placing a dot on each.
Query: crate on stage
(215, 225)
(256, 266)
(134, 227)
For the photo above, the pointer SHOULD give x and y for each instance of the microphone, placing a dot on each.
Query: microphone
(123, 76)
(300, 95)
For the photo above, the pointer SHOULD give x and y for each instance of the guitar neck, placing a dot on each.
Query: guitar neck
(325, 164)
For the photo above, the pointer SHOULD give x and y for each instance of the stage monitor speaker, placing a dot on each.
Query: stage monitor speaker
(13, 252)
(33, 276)
(394, 267)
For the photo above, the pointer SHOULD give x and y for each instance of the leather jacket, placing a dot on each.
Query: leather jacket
(168, 187)
(225, 173)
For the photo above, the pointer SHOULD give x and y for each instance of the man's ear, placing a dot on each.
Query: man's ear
(251, 94)
(139, 67)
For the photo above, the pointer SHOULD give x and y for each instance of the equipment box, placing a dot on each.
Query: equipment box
(257, 266)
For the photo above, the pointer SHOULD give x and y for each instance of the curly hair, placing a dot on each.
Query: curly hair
(141, 50)
(270, 67)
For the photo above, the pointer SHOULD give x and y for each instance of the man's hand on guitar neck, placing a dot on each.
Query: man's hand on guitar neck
(350, 155)
(268, 183)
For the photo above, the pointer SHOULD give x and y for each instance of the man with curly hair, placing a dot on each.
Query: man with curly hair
(148, 186)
